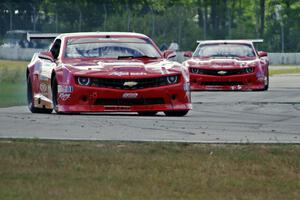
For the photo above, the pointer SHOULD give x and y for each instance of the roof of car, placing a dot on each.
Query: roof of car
(229, 41)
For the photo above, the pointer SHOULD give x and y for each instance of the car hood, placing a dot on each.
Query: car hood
(124, 68)
(227, 63)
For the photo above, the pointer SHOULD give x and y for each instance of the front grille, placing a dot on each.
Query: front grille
(129, 102)
(227, 72)
(222, 83)
(139, 83)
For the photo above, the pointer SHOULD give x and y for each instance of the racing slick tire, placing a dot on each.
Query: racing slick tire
(177, 113)
(147, 113)
(54, 94)
(30, 101)
(267, 85)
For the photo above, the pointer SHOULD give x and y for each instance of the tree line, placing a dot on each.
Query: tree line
(166, 21)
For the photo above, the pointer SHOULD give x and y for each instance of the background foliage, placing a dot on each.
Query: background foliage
(181, 21)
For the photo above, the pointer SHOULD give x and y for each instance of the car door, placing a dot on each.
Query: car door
(44, 69)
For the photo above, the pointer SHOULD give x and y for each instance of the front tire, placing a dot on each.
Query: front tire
(147, 113)
(30, 100)
(54, 94)
(177, 113)
(267, 85)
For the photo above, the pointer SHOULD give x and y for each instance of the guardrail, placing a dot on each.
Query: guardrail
(9, 53)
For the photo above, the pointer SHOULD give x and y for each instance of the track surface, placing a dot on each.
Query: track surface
(217, 117)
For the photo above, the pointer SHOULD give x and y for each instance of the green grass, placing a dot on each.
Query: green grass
(289, 70)
(12, 83)
(34, 169)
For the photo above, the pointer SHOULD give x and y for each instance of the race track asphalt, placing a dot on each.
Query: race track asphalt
(217, 117)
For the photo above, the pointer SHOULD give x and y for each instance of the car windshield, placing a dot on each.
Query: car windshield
(224, 50)
(115, 47)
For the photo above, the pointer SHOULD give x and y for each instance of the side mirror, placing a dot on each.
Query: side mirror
(169, 54)
(47, 55)
(188, 54)
(262, 54)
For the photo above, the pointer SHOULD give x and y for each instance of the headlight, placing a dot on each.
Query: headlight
(195, 70)
(83, 81)
(172, 79)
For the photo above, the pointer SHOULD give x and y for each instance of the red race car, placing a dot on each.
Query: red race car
(106, 72)
(228, 65)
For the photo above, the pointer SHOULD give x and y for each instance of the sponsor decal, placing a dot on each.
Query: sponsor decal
(130, 83)
(236, 87)
(127, 74)
(186, 87)
(130, 95)
(260, 75)
(64, 96)
(119, 74)
(43, 87)
(64, 89)
(137, 73)
(222, 72)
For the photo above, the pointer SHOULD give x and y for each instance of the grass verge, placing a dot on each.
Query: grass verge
(288, 70)
(12, 83)
(34, 169)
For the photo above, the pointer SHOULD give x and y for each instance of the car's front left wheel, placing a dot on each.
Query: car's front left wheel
(267, 84)
(30, 100)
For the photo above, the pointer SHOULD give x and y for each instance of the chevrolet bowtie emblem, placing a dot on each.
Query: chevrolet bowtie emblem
(130, 84)
(222, 72)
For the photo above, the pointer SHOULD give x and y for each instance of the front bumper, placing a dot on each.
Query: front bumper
(234, 82)
(94, 99)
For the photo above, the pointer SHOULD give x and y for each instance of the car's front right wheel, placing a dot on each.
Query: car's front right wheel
(147, 113)
(54, 86)
(176, 113)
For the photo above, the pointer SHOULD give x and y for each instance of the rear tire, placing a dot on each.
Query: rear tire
(30, 100)
(177, 113)
(147, 113)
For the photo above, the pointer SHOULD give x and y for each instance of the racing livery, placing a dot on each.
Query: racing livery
(106, 72)
(228, 65)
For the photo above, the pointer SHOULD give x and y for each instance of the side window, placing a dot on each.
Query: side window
(55, 48)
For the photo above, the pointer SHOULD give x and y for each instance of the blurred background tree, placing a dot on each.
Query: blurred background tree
(166, 21)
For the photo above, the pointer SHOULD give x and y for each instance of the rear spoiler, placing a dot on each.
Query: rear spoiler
(31, 36)
(250, 40)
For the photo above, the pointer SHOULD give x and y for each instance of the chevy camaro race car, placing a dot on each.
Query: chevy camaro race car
(228, 65)
(106, 72)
